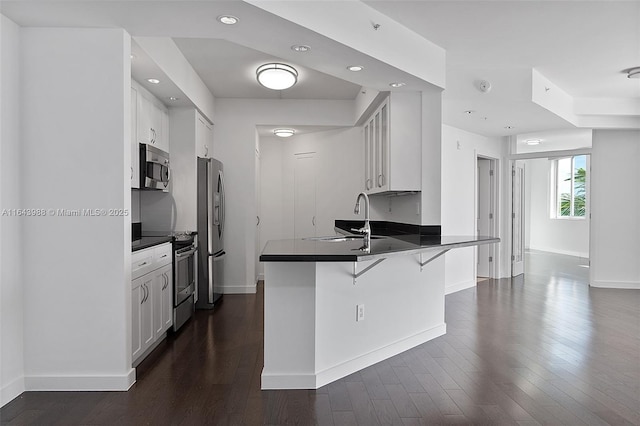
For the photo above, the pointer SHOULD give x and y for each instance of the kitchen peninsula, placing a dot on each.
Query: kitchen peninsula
(333, 306)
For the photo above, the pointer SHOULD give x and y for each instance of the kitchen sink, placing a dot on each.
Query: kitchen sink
(341, 238)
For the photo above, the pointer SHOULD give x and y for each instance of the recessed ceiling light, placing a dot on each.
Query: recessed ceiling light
(633, 72)
(355, 68)
(228, 19)
(284, 133)
(397, 84)
(173, 98)
(469, 111)
(277, 76)
(508, 127)
(533, 141)
(300, 48)
(153, 80)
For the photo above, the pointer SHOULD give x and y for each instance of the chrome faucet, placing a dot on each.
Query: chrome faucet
(366, 229)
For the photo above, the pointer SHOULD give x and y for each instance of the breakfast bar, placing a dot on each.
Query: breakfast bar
(335, 305)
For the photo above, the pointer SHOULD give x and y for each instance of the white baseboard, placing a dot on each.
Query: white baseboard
(239, 289)
(319, 379)
(459, 286)
(81, 383)
(558, 251)
(632, 285)
(11, 391)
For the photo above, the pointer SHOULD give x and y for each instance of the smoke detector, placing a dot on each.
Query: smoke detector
(484, 86)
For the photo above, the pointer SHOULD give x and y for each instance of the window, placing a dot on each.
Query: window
(569, 198)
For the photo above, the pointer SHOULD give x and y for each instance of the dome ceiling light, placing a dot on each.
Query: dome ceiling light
(277, 76)
(284, 133)
(633, 72)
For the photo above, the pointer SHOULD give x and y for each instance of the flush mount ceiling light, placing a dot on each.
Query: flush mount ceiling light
(533, 142)
(300, 48)
(228, 19)
(284, 133)
(277, 76)
(397, 84)
(153, 80)
(355, 68)
(633, 72)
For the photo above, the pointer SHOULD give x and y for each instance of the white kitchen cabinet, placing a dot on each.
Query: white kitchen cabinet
(392, 145)
(162, 300)
(204, 137)
(152, 120)
(151, 298)
(142, 331)
(135, 152)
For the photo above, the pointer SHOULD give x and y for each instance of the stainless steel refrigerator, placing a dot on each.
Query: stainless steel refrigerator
(210, 220)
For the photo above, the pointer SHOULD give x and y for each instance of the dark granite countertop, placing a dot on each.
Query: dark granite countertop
(146, 242)
(314, 250)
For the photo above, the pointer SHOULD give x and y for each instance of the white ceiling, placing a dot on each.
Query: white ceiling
(582, 46)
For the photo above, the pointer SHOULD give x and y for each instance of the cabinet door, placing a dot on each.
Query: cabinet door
(145, 130)
(167, 299)
(162, 115)
(204, 137)
(136, 335)
(368, 157)
(162, 300)
(135, 152)
(142, 323)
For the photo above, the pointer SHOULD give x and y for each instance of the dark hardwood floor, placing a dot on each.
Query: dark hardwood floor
(540, 349)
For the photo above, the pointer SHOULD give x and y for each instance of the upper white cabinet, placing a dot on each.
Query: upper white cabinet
(152, 119)
(392, 145)
(204, 137)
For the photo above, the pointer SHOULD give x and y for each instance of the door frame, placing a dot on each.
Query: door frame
(494, 252)
(532, 156)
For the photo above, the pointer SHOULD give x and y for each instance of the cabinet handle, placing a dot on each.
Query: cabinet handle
(367, 184)
(163, 256)
(131, 172)
(313, 221)
(380, 180)
(258, 221)
(142, 264)
(144, 296)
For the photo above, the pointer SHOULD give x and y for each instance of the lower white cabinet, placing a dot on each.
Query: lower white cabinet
(151, 299)
(162, 301)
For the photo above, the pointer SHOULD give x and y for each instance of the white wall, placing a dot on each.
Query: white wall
(339, 170)
(11, 288)
(563, 236)
(459, 163)
(234, 144)
(615, 202)
(75, 111)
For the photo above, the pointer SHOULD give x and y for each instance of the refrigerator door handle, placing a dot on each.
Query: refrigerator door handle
(209, 211)
(222, 203)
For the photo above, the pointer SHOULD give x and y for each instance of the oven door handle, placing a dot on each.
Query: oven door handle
(185, 254)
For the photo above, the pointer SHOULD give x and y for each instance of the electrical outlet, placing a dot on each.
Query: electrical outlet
(359, 312)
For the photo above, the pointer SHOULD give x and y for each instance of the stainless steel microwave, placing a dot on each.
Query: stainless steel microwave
(154, 168)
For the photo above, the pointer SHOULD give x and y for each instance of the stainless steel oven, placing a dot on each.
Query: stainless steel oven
(184, 279)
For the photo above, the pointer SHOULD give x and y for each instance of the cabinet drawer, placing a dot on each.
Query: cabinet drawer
(142, 262)
(163, 255)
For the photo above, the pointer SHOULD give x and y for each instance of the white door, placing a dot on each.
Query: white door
(484, 215)
(304, 199)
(517, 219)
(259, 267)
